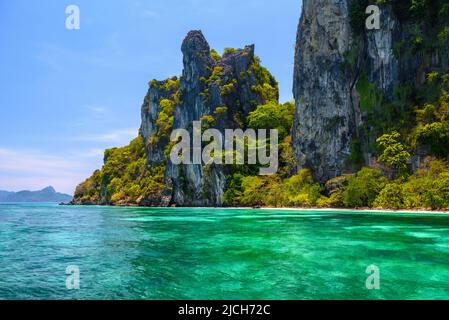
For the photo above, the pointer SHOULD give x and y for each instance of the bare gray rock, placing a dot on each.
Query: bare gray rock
(325, 119)
(206, 84)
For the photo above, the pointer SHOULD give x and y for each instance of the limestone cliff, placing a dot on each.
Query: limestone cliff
(351, 84)
(325, 120)
(156, 113)
(219, 91)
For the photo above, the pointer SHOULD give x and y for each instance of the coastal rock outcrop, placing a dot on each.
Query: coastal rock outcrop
(155, 127)
(325, 119)
(350, 83)
(220, 92)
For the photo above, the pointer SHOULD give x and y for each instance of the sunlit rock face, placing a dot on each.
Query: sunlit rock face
(331, 62)
(325, 118)
(222, 89)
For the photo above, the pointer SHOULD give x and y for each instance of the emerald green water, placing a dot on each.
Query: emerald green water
(144, 253)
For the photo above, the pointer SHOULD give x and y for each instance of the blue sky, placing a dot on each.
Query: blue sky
(66, 95)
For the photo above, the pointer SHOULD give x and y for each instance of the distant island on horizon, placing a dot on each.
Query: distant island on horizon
(47, 194)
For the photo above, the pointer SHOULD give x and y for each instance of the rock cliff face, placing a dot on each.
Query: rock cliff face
(158, 93)
(344, 77)
(220, 92)
(325, 118)
(351, 86)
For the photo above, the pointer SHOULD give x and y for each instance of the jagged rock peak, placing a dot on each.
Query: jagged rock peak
(219, 91)
(195, 42)
(49, 189)
(197, 57)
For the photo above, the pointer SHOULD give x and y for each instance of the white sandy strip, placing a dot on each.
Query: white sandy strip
(357, 210)
(329, 209)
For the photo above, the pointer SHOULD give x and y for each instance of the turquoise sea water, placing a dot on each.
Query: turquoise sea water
(145, 253)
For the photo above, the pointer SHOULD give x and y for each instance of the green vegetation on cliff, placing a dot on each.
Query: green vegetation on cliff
(393, 187)
(428, 188)
(124, 179)
(403, 128)
(416, 107)
(267, 85)
(164, 121)
(273, 116)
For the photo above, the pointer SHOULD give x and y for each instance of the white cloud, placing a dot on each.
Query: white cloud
(34, 170)
(25, 169)
(97, 110)
(26, 161)
(108, 55)
(120, 136)
(92, 153)
(150, 14)
(22, 169)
